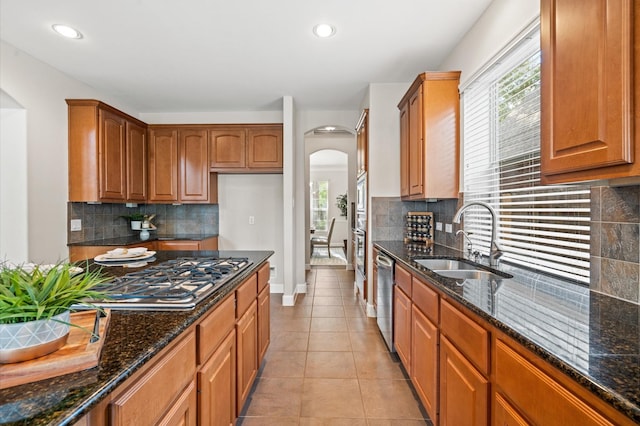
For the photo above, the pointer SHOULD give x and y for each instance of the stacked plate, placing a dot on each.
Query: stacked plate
(121, 256)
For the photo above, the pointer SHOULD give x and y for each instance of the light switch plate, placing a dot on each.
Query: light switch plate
(448, 228)
(76, 224)
(438, 226)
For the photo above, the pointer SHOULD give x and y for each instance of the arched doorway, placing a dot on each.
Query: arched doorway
(330, 157)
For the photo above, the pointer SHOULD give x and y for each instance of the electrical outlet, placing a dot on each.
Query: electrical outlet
(448, 228)
(438, 226)
(76, 224)
(252, 220)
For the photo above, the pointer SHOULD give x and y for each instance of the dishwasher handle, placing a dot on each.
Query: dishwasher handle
(384, 261)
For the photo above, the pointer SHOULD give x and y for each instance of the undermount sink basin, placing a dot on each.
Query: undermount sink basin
(469, 274)
(445, 264)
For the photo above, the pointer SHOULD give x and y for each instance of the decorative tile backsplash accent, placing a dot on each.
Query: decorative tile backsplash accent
(103, 220)
(615, 247)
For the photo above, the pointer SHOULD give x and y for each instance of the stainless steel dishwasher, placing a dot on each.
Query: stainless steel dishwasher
(385, 298)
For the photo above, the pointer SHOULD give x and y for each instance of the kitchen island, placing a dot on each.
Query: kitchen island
(536, 344)
(134, 338)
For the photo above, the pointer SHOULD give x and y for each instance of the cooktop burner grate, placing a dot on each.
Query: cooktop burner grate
(174, 284)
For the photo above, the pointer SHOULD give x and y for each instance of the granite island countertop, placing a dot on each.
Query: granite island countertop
(591, 337)
(132, 339)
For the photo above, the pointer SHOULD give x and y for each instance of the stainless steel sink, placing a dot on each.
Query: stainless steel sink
(477, 274)
(445, 264)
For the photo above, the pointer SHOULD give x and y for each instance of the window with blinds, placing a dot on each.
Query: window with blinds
(543, 227)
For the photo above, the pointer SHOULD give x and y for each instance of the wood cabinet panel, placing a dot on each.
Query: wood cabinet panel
(469, 337)
(112, 155)
(424, 367)
(217, 385)
(214, 327)
(530, 389)
(264, 147)
(404, 150)
(504, 414)
(210, 243)
(183, 411)
(104, 153)
(402, 278)
(402, 326)
(171, 373)
(464, 392)
(247, 355)
(246, 148)
(246, 294)
(587, 97)
(136, 162)
(362, 142)
(264, 274)
(163, 165)
(429, 137)
(227, 148)
(194, 165)
(264, 322)
(426, 300)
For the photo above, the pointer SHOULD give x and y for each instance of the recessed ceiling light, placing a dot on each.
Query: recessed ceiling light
(67, 31)
(324, 30)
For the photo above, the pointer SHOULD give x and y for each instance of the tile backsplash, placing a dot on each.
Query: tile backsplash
(104, 220)
(615, 247)
(615, 234)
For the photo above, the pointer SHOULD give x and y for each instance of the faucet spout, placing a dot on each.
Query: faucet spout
(495, 251)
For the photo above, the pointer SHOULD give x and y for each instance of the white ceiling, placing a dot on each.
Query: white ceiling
(214, 55)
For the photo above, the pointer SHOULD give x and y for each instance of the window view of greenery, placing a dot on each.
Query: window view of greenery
(546, 227)
(319, 205)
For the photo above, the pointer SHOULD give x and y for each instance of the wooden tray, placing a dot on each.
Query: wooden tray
(78, 354)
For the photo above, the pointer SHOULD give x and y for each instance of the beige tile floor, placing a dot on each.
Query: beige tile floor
(327, 364)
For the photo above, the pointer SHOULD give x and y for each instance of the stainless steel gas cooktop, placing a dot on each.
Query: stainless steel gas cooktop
(178, 284)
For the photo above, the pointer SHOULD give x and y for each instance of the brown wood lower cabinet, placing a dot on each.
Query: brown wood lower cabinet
(205, 375)
(247, 356)
(424, 368)
(402, 326)
(189, 245)
(142, 403)
(217, 385)
(464, 391)
(264, 322)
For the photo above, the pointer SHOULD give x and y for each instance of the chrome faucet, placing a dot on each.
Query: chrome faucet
(495, 251)
(470, 252)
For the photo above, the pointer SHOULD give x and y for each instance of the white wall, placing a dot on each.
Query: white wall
(41, 90)
(241, 196)
(14, 234)
(499, 24)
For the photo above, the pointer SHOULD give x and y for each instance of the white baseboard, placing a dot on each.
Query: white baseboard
(371, 311)
(289, 300)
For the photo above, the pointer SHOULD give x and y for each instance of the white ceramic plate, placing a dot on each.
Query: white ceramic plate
(125, 257)
(29, 267)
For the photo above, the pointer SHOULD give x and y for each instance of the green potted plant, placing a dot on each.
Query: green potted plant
(35, 302)
(342, 204)
(135, 219)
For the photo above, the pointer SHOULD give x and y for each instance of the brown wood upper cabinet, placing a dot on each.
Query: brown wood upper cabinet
(246, 148)
(178, 169)
(107, 154)
(589, 81)
(429, 137)
(362, 129)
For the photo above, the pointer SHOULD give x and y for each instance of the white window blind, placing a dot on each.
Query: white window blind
(543, 227)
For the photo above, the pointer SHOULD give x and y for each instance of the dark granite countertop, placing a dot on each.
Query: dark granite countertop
(591, 337)
(133, 338)
(135, 239)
